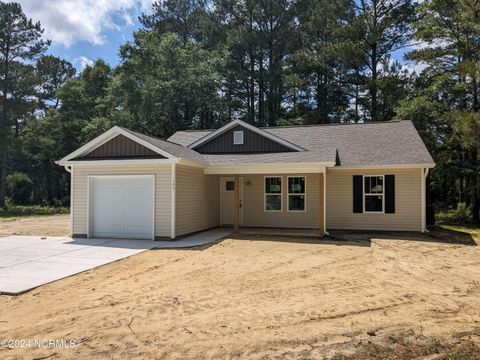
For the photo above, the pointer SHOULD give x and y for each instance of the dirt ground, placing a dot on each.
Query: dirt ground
(53, 225)
(259, 298)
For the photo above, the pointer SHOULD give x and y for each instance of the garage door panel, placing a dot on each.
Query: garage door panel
(123, 206)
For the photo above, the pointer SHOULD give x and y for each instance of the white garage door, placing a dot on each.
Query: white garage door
(122, 206)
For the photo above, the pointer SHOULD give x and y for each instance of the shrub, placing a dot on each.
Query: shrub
(19, 188)
(462, 214)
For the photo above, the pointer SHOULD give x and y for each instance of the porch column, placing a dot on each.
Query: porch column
(236, 203)
(322, 204)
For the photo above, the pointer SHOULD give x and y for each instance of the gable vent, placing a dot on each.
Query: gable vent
(238, 137)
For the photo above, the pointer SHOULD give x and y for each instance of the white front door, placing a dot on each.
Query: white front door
(227, 191)
(122, 206)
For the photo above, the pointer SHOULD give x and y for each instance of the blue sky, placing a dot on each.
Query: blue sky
(82, 31)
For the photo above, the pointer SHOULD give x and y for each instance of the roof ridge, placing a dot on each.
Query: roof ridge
(152, 137)
(333, 124)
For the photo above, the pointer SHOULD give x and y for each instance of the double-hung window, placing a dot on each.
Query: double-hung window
(296, 193)
(273, 193)
(373, 194)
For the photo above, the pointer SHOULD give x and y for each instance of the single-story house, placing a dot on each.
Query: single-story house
(337, 176)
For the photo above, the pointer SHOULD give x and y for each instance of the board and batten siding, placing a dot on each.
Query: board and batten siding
(252, 143)
(162, 174)
(254, 213)
(407, 216)
(122, 147)
(197, 200)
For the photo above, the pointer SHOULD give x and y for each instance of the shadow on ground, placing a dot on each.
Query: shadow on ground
(435, 235)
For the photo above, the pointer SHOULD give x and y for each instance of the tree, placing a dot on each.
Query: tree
(52, 72)
(20, 41)
(384, 26)
(164, 85)
(450, 35)
(324, 59)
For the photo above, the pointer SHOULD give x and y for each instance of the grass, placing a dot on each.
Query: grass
(13, 211)
(473, 230)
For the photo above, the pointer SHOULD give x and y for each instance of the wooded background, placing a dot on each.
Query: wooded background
(198, 64)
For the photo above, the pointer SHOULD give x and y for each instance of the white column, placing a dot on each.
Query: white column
(325, 200)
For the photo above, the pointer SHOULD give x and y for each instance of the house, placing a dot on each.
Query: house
(336, 176)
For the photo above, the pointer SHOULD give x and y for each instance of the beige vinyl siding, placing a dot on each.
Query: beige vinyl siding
(254, 213)
(407, 201)
(162, 193)
(197, 203)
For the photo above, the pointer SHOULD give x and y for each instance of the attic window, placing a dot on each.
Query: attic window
(238, 137)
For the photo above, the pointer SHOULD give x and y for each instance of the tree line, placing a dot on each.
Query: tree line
(197, 64)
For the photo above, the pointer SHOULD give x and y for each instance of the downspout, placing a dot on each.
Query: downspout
(70, 170)
(427, 170)
(173, 200)
(423, 202)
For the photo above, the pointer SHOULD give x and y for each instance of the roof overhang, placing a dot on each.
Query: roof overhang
(105, 137)
(386, 166)
(252, 128)
(280, 168)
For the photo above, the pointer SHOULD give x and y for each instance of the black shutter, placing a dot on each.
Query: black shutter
(357, 193)
(390, 194)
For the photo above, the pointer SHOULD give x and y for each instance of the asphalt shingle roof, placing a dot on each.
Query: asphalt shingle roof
(379, 143)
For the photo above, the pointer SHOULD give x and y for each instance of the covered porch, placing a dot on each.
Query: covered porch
(281, 199)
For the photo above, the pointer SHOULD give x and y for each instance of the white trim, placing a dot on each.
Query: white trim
(173, 203)
(90, 178)
(304, 195)
(238, 138)
(116, 162)
(372, 194)
(233, 123)
(108, 135)
(265, 194)
(261, 169)
(392, 166)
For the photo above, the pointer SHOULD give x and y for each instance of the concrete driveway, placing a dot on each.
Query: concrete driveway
(30, 261)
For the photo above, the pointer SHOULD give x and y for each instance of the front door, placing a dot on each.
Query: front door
(227, 193)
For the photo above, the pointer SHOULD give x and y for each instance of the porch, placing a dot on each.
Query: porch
(275, 204)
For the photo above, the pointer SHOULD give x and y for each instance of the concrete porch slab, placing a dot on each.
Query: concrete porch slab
(27, 262)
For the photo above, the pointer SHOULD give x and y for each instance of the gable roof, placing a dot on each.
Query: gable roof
(179, 151)
(368, 144)
(215, 133)
(164, 148)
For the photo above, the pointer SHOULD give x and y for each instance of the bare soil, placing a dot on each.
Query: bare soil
(359, 296)
(52, 225)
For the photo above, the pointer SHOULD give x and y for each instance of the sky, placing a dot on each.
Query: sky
(82, 31)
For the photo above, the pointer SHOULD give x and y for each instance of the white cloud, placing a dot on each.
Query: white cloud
(69, 21)
(84, 62)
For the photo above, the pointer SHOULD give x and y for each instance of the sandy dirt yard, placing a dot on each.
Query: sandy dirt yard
(262, 298)
(52, 225)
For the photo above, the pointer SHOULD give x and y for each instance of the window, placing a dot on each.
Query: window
(296, 193)
(229, 185)
(273, 194)
(238, 137)
(373, 193)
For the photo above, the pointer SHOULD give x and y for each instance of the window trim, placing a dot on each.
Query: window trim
(265, 194)
(238, 132)
(365, 195)
(304, 195)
